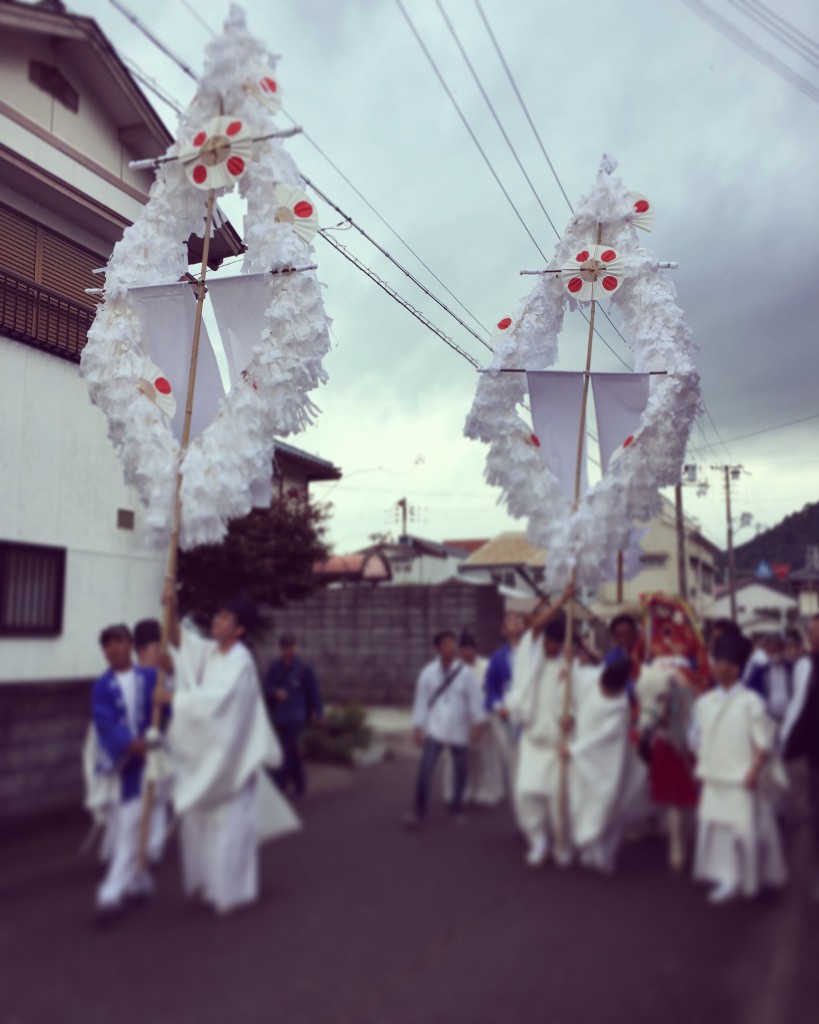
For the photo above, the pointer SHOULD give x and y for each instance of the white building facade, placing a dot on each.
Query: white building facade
(71, 560)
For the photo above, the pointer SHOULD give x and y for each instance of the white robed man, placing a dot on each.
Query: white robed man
(738, 845)
(536, 705)
(608, 781)
(485, 782)
(221, 744)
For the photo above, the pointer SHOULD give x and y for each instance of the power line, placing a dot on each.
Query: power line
(466, 125)
(768, 430)
(744, 41)
(395, 262)
(491, 107)
(360, 195)
(345, 252)
(801, 44)
(525, 109)
(151, 84)
(493, 112)
(385, 222)
(480, 149)
(143, 28)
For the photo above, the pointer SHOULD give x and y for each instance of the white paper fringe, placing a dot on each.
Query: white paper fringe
(659, 340)
(227, 471)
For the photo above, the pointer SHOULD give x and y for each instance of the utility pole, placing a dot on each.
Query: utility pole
(402, 504)
(730, 473)
(682, 575)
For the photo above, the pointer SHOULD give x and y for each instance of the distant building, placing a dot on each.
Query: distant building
(415, 560)
(763, 606)
(294, 469)
(805, 582)
(658, 569)
(369, 568)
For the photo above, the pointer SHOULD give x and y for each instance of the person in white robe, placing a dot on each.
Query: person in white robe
(485, 784)
(537, 705)
(221, 744)
(608, 781)
(738, 844)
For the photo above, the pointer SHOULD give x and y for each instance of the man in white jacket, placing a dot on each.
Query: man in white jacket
(221, 744)
(448, 712)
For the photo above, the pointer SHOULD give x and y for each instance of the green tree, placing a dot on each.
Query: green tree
(267, 556)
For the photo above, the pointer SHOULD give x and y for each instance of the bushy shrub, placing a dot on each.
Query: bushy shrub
(343, 731)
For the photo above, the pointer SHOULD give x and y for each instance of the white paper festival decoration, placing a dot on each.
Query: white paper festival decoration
(227, 470)
(649, 318)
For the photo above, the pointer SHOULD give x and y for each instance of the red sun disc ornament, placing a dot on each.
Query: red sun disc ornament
(219, 153)
(263, 86)
(595, 271)
(642, 212)
(157, 388)
(296, 209)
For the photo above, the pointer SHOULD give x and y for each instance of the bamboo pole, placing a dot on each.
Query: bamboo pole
(568, 649)
(176, 522)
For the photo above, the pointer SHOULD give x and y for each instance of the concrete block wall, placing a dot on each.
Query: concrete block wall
(42, 730)
(369, 643)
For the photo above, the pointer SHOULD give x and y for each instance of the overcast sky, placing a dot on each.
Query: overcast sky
(725, 148)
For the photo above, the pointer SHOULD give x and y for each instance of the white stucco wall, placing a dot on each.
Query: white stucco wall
(62, 485)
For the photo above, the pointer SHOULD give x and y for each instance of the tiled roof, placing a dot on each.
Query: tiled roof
(507, 550)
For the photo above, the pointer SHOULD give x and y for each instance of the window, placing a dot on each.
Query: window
(650, 561)
(125, 519)
(43, 277)
(32, 585)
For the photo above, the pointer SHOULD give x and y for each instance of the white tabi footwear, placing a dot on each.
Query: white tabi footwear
(725, 892)
(538, 852)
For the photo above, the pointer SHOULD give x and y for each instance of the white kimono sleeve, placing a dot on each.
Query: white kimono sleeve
(219, 734)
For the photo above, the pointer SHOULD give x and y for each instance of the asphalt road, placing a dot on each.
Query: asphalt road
(362, 923)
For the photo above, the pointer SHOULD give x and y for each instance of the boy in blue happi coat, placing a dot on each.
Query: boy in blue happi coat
(121, 705)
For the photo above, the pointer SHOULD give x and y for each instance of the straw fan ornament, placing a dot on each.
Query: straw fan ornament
(644, 416)
(270, 315)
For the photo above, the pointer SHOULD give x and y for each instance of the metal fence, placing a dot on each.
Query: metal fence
(38, 316)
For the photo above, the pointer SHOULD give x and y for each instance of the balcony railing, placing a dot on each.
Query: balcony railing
(41, 317)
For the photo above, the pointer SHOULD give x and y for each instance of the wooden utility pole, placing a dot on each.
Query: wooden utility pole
(682, 574)
(730, 473)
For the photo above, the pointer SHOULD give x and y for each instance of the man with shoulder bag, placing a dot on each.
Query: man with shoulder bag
(448, 712)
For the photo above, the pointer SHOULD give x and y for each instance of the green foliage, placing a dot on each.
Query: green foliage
(786, 542)
(343, 731)
(267, 556)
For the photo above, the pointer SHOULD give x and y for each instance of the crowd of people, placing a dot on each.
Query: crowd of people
(659, 731)
(589, 747)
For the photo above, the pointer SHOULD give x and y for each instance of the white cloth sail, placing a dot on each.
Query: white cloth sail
(167, 313)
(556, 399)
(619, 400)
(239, 305)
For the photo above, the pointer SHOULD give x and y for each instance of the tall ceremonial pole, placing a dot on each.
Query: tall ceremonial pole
(565, 722)
(173, 543)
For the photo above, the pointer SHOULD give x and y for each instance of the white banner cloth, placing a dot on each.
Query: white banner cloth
(239, 305)
(556, 398)
(620, 400)
(166, 315)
